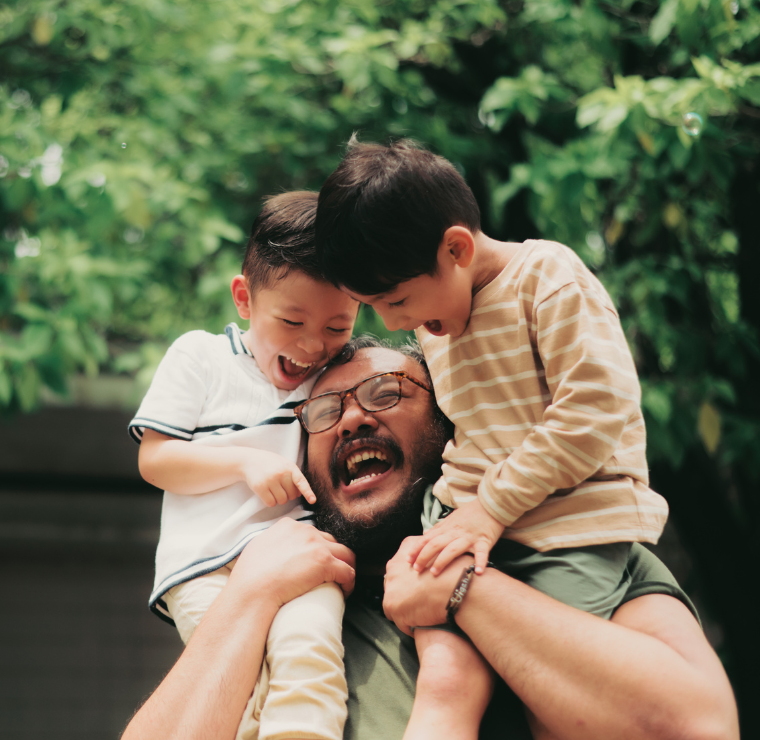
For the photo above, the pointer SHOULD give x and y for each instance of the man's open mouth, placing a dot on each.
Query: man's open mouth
(294, 369)
(364, 459)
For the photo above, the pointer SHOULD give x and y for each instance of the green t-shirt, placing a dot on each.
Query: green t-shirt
(381, 661)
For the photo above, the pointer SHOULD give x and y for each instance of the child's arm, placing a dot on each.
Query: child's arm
(594, 403)
(470, 528)
(177, 466)
(454, 686)
(595, 396)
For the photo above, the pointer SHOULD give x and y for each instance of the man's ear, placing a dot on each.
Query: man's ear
(458, 244)
(241, 294)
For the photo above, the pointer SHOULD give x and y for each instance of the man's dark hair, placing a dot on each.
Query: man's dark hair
(282, 240)
(383, 212)
(412, 350)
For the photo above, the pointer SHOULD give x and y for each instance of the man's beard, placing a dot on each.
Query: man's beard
(375, 537)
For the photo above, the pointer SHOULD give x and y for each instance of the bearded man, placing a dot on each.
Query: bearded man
(373, 449)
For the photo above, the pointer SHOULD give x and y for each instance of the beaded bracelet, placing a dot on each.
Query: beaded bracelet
(459, 593)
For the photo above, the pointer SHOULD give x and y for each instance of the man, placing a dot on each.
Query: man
(647, 673)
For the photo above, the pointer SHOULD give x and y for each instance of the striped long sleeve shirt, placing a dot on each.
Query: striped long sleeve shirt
(543, 392)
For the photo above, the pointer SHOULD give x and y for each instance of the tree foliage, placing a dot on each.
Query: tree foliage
(136, 140)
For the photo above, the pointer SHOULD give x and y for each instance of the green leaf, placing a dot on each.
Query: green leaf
(709, 426)
(656, 400)
(662, 24)
(26, 382)
(6, 387)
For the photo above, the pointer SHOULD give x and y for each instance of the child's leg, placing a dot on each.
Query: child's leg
(454, 686)
(302, 689)
(593, 579)
(188, 602)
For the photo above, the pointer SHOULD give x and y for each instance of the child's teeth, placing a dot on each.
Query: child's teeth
(300, 364)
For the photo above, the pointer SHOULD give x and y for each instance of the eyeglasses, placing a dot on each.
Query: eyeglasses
(376, 393)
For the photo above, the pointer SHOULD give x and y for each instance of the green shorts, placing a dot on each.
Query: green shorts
(593, 579)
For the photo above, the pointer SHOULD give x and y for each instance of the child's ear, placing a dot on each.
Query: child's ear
(241, 294)
(458, 244)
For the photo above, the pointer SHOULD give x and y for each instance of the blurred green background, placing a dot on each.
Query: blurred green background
(138, 138)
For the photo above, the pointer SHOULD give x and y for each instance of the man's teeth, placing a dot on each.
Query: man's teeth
(364, 477)
(358, 457)
(353, 462)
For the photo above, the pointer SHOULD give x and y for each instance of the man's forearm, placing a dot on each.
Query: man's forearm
(648, 674)
(205, 693)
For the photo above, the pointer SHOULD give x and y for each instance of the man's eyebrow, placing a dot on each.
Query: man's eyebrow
(331, 389)
(322, 391)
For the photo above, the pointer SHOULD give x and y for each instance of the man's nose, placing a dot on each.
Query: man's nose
(354, 418)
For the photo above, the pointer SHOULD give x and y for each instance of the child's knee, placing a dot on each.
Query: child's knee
(451, 669)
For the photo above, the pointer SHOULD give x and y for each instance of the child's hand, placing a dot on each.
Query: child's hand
(470, 528)
(274, 479)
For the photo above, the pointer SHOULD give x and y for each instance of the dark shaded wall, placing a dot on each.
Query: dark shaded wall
(79, 649)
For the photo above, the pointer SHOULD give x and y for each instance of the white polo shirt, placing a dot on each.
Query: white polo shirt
(209, 390)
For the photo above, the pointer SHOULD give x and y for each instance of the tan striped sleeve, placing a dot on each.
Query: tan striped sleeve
(594, 393)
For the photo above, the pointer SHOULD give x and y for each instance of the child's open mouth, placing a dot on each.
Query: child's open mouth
(293, 369)
(434, 327)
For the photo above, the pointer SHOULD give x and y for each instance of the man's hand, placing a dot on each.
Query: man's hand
(289, 559)
(274, 479)
(205, 693)
(470, 528)
(413, 599)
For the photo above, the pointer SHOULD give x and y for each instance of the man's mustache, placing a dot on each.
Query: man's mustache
(387, 443)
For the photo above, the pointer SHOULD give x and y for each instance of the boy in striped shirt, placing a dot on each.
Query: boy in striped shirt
(547, 468)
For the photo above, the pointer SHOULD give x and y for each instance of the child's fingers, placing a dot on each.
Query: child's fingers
(304, 489)
(430, 551)
(415, 549)
(453, 550)
(288, 486)
(266, 497)
(481, 552)
(279, 494)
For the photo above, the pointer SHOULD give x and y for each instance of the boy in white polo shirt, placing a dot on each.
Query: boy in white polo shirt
(547, 469)
(218, 433)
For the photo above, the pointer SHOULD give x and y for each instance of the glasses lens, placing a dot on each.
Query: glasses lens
(321, 413)
(379, 393)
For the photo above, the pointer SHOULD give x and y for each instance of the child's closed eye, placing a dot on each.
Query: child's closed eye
(397, 304)
(293, 323)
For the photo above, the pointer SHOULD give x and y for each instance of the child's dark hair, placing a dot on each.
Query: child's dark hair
(383, 212)
(282, 240)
